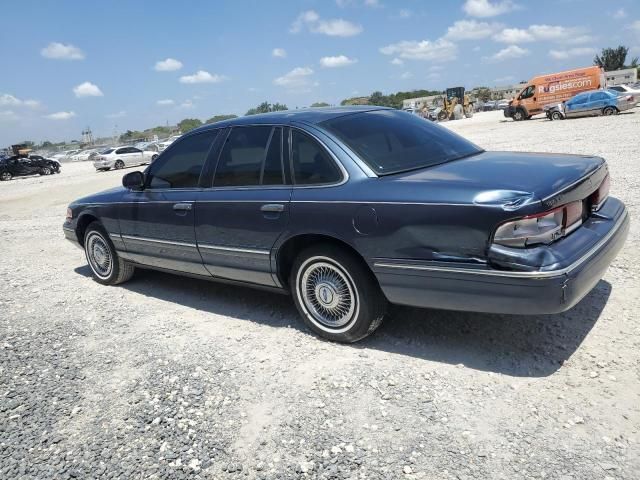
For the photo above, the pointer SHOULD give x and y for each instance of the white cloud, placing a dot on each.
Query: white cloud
(337, 61)
(486, 8)
(513, 35)
(7, 100)
(471, 30)
(635, 26)
(279, 53)
(296, 78)
(202, 76)
(8, 115)
(87, 89)
(512, 51)
(168, 65)
(406, 76)
(119, 114)
(336, 27)
(166, 101)
(61, 115)
(397, 61)
(619, 14)
(535, 33)
(61, 51)
(572, 52)
(405, 13)
(438, 50)
(187, 104)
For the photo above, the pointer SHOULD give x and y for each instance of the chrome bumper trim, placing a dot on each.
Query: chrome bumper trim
(514, 274)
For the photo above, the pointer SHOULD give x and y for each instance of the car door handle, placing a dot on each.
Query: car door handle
(272, 207)
(182, 206)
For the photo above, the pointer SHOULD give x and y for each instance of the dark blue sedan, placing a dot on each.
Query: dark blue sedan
(351, 208)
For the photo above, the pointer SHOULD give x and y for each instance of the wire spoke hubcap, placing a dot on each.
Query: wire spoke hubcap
(328, 294)
(99, 255)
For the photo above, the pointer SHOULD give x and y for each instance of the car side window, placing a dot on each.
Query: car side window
(598, 96)
(579, 100)
(310, 163)
(180, 165)
(250, 156)
(273, 169)
(528, 92)
(121, 151)
(134, 150)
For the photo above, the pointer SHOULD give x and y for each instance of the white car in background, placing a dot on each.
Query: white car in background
(627, 90)
(162, 145)
(124, 156)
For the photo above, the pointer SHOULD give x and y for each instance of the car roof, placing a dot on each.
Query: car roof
(308, 115)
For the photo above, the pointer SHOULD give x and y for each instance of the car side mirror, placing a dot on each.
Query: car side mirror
(133, 181)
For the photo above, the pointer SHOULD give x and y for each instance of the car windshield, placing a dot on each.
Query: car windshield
(107, 151)
(390, 141)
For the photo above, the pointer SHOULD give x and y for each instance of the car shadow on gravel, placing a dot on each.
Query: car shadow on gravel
(514, 345)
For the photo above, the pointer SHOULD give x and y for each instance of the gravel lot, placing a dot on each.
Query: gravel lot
(167, 377)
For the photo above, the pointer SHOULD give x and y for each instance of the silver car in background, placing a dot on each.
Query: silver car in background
(595, 102)
(123, 156)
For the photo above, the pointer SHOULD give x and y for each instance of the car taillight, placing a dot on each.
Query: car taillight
(541, 228)
(601, 194)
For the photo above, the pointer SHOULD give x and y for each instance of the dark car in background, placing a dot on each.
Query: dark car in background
(351, 208)
(17, 166)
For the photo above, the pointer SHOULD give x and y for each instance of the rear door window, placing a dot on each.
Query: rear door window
(311, 164)
(251, 156)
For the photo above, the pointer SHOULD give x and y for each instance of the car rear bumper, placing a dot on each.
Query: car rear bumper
(501, 291)
(98, 164)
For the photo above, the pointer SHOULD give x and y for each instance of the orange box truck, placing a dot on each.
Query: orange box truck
(553, 88)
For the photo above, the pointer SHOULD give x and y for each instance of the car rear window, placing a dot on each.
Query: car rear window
(391, 141)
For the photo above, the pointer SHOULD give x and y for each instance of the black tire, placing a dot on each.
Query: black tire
(519, 115)
(153, 158)
(556, 116)
(348, 287)
(5, 176)
(98, 247)
(118, 165)
(45, 171)
(608, 111)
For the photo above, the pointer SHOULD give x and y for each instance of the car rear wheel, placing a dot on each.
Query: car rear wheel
(153, 158)
(337, 296)
(608, 111)
(6, 176)
(556, 116)
(107, 267)
(119, 164)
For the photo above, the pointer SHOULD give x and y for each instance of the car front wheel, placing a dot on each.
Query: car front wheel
(519, 115)
(556, 116)
(107, 267)
(336, 294)
(45, 171)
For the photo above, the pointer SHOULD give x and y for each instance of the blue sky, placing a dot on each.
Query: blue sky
(132, 65)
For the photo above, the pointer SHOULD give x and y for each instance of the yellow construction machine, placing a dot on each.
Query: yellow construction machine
(456, 104)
